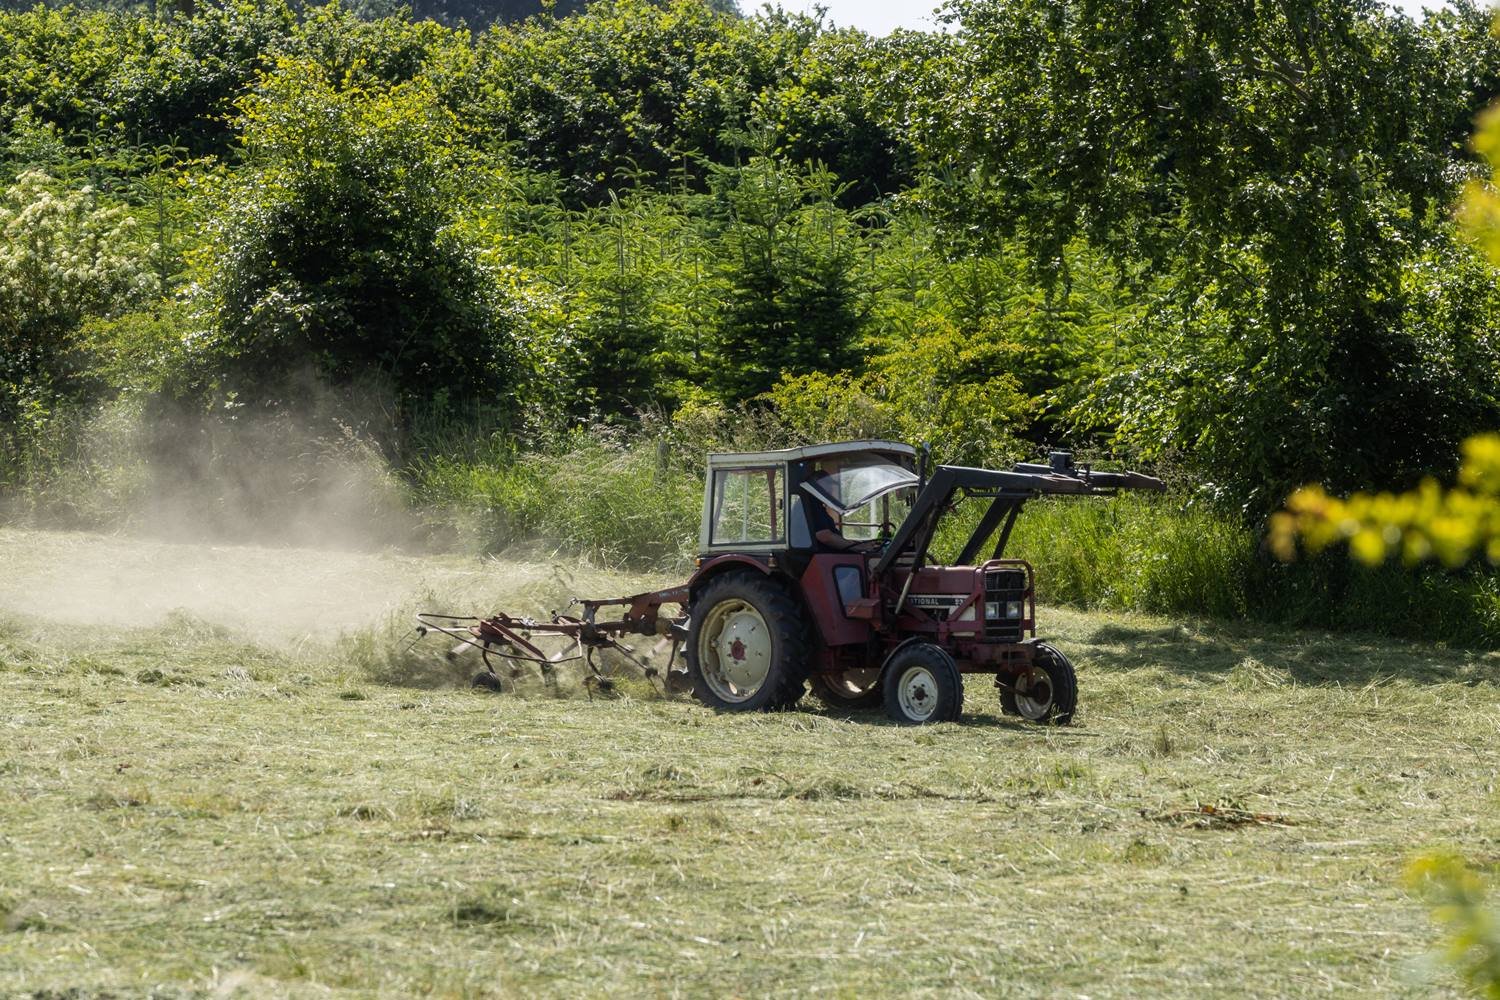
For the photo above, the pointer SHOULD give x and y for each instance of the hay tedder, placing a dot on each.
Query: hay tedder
(814, 568)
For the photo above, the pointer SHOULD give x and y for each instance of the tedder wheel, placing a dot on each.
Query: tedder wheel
(747, 647)
(1046, 691)
(922, 685)
(486, 681)
(849, 690)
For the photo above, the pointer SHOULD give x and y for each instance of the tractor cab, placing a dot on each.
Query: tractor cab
(800, 501)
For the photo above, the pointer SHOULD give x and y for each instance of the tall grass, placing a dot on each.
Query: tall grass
(634, 501)
(619, 505)
(1165, 555)
(1456, 608)
(1137, 553)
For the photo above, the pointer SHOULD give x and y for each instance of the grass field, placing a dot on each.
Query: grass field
(255, 797)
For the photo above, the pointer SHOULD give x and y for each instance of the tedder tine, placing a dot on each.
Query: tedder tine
(595, 678)
(511, 638)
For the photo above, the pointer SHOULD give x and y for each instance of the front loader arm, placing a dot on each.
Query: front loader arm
(1008, 491)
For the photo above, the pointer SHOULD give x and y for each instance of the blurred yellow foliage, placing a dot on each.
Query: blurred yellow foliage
(1456, 893)
(1479, 212)
(1429, 522)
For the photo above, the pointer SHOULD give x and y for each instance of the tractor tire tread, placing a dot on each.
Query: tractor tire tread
(945, 672)
(824, 690)
(1064, 687)
(786, 620)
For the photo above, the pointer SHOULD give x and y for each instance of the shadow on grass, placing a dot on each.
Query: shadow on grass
(1245, 654)
(1258, 654)
(981, 710)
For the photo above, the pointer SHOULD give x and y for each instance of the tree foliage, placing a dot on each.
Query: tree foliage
(791, 277)
(935, 387)
(63, 257)
(348, 260)
(1212, 236)
(647, 91)
(1453, 525)
(1279, 168)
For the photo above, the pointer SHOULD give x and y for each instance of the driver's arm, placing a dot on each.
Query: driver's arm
(833, 540)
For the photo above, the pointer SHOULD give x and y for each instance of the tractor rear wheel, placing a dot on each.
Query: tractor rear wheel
(849, 690)
(922, 685)
(1045, 692)
(747, 648)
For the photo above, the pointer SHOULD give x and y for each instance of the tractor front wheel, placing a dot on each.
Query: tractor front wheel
(848, 690)
(747, 648)
(922, 685)
(1045, 692)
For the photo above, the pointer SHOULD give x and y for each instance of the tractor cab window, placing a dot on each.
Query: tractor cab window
(880, 517)
(801, 528)
(747, 506)
(864, 492)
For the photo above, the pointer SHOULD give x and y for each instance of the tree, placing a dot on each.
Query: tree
(63, 258)
(841, 98)
(632, 85)
(113, 77)
(1453, 525)
(481, 13)
(789, 263)
(476, 14)
(618, 341)
(659, 89)
(932, 387)
(1274, 168)
(336, 249)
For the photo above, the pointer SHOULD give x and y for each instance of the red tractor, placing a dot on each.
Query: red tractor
(814, 567)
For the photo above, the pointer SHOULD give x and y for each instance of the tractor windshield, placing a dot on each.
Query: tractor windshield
(850, 482)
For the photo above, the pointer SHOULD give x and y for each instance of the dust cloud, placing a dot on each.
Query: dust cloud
(277, 595)
(274, 596)
(310, 467)
(285, 525)
(285, 521)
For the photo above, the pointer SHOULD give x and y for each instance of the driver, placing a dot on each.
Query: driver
(830, 536)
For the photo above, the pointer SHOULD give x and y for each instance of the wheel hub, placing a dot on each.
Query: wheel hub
(736, 650)
(918, 693)
(1034, 694)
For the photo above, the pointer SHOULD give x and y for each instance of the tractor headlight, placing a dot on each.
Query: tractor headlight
(1013, 609)
(992, 610)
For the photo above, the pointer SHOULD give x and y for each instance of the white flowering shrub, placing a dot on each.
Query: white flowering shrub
(64, 257)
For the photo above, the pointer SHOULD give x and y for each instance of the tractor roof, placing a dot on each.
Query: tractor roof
(812, 451)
